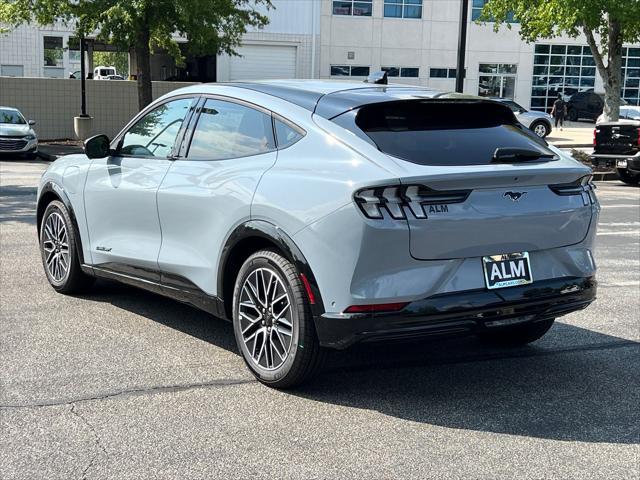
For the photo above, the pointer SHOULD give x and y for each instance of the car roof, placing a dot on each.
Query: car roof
(10, 108)
(329, 98)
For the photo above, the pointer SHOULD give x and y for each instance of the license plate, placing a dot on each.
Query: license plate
(621, 164)
(507, 270)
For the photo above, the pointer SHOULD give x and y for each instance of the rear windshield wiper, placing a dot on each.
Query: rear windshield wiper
(510, 155)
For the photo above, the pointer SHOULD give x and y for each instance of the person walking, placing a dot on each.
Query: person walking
(559, 111)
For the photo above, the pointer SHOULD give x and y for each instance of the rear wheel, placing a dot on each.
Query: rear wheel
(59, 253)
(626, 177)
(517, 334)
(272, 321)
(541, 129)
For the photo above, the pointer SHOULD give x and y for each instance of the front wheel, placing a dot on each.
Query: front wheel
(272, 321)
(541, 129)
(516, 334)
(59, 253)
(628, 178)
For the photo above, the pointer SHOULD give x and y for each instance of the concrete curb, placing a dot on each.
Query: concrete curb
(573, 145)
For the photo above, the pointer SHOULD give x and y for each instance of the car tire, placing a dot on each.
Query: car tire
(541, 129)
(273, 323)
(628, 178)
(572, 115)
(516, 335)
(58, 249)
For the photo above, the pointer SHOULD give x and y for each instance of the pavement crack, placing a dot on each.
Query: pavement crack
(96, 437)
(133, 392)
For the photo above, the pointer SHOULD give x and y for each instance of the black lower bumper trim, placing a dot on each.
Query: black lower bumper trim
(460, 313)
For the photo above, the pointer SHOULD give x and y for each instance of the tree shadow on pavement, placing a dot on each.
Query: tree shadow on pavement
(573, 385)
(17, 204)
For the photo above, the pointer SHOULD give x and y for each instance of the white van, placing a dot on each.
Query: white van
(104, 73)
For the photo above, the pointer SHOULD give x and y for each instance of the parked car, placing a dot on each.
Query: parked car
(16, 133)
(627, 112)
(617, 145)
(318, 214)
(538, 122)
(587, 105)
(103, 73)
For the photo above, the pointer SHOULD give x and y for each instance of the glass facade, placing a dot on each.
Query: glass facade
(349, 71)
(565, 69)
(631, 75)
(568, 69)
(402, 72)
(497, 80)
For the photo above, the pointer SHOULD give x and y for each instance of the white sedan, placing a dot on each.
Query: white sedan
(16, 134)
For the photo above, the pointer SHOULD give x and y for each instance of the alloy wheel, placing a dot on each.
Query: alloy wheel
(56, 247)
(540, 130)
(266, 321)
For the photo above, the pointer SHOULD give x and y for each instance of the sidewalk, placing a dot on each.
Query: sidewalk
(573, 135)
(49, 151)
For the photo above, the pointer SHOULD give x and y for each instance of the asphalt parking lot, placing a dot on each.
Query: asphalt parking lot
(125, 384)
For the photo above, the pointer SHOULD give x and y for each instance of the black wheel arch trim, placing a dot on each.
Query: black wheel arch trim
(268, 231)
(50, 187)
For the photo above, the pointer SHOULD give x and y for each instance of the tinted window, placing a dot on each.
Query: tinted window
(12, 117)
(230, 130)
(155, 133)
(286, 135)
(444, 133)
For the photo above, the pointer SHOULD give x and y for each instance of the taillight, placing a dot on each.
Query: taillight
(638, 137)
(583, 186)
(398, 200)
(379, 307)
(595, 134)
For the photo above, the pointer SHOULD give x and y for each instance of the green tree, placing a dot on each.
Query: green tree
(120, 60)
(606, 25)
(210, 26)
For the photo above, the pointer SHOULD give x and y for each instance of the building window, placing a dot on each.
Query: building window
(402, 72)
(11, 71)
(73, 44)
(349, 71)
(631, 75)
(52, 51)
(442, 73)
(403, 8)
(357, 8)
(565, 69)
(476, 11)
(497, 80)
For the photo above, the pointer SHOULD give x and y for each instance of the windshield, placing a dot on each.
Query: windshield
(12, 117)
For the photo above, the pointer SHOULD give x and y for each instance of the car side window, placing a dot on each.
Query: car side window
(230, 130)
(286, 135)
(155, 133)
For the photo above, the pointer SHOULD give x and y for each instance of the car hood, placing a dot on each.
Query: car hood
(11, 130)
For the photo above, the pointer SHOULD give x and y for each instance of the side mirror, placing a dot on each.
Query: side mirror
(31, 122)
(97, 146)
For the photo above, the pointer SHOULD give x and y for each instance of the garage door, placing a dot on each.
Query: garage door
(263, 61)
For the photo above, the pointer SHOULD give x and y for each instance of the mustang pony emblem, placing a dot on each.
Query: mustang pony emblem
(515, 196)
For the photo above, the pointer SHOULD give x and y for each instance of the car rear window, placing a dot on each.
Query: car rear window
(451, 133)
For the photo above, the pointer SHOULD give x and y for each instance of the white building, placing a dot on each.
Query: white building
(415, 40)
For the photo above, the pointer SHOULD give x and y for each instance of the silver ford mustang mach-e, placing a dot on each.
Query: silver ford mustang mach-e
(317, 214)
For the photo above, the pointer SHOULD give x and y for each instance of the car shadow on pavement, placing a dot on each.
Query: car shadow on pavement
(574, 384)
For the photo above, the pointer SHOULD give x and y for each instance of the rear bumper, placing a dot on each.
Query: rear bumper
(633, 161)
(460, 313)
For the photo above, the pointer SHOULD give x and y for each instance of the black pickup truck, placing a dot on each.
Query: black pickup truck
(617, 144)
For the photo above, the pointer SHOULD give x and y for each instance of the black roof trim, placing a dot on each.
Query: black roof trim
(330, 105)
(303, 98)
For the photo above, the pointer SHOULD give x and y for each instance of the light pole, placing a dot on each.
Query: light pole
(462, 45)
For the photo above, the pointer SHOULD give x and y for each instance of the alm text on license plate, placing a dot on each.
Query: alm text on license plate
(507, 270)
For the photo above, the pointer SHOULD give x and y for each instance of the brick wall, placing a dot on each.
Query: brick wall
(53, 103)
